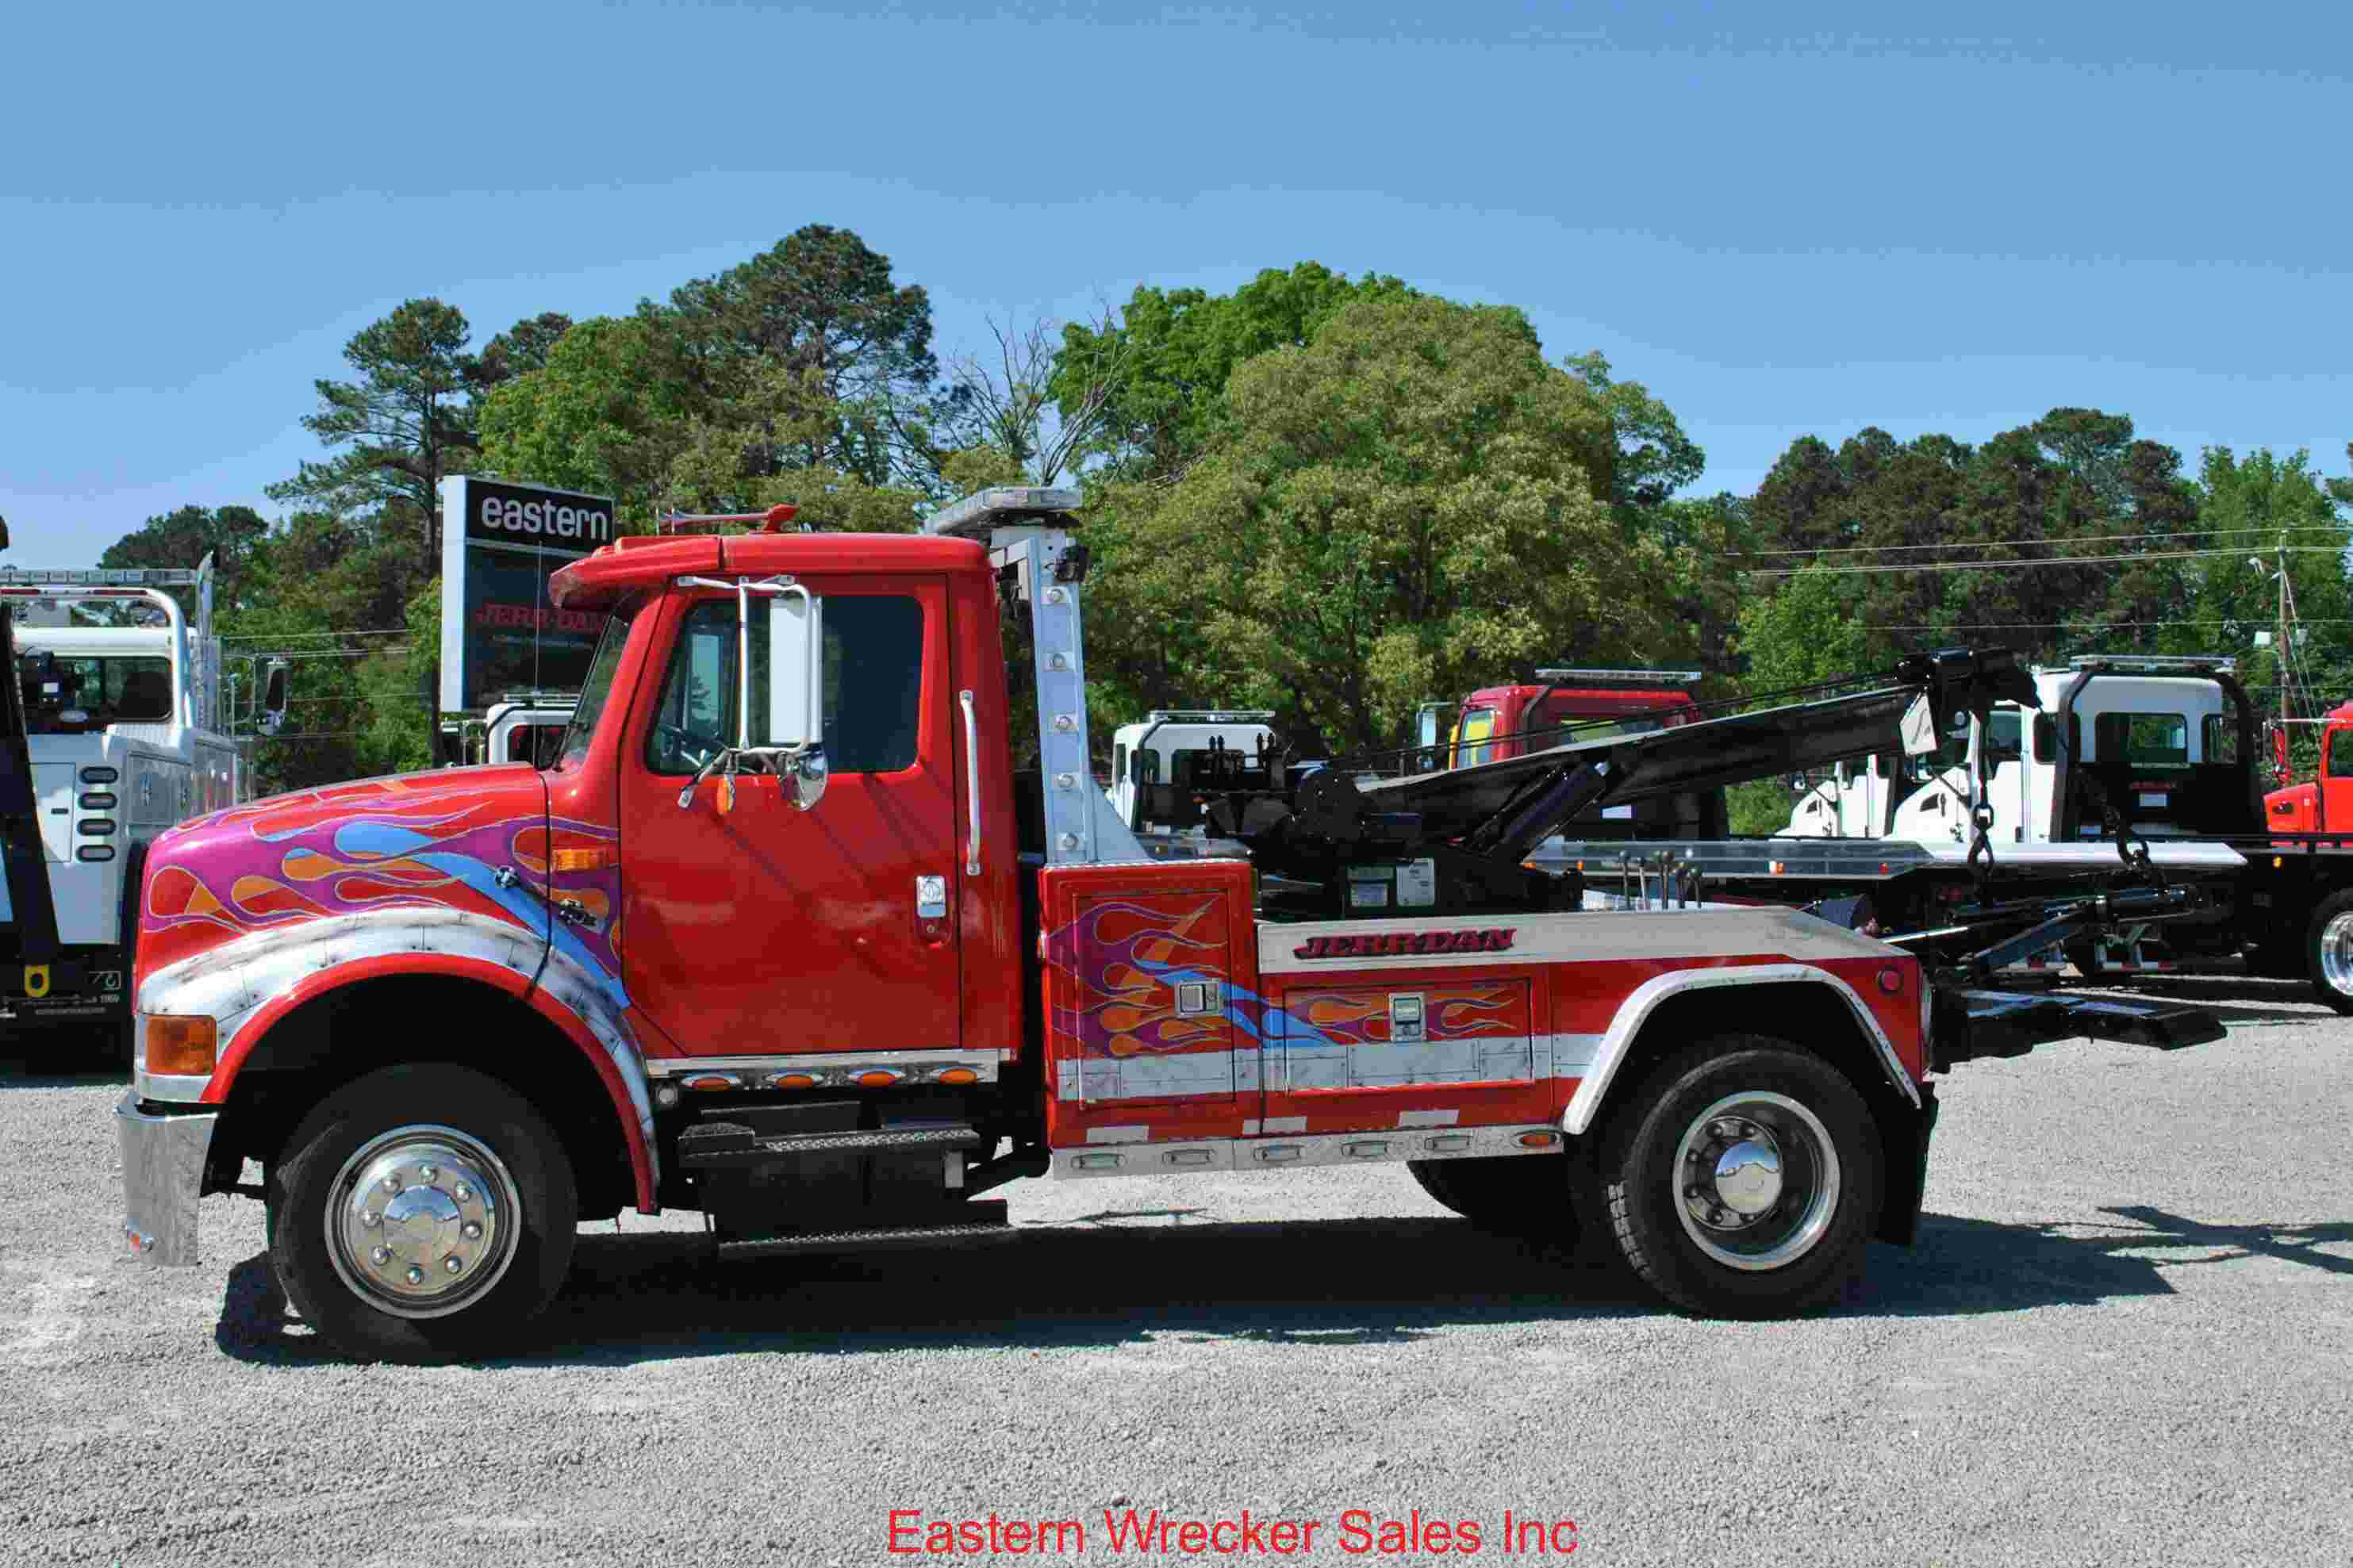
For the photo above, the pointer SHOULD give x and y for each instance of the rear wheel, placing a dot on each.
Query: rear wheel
(1742, 1179)
(2328, 952)
(421, 1213)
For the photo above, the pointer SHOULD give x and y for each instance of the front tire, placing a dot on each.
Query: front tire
(422, 1213)
(2328, 952)
(1742, 1179)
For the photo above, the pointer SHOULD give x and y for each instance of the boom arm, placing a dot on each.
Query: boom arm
(1500, 810)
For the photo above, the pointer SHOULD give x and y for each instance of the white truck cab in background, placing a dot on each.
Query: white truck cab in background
(1153, 761)
(123, 736)
(2162, 715)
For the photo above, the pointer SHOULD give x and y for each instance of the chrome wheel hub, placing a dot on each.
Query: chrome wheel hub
(421, 1221)
(2336, 954)
(1757, 1180)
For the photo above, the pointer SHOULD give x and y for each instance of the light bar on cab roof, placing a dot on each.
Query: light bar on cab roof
(2155, 663)
(1625, 676)
(976, 514)
(102, 577)
(1209, 716)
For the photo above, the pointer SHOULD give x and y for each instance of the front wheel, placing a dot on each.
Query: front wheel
(1742, 1179)
(2328, 952)
(422, 1213)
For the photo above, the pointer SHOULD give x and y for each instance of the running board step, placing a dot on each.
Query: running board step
(989, 1222)
(717, 1145)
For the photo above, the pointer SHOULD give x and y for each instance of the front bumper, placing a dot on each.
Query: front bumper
(162, 1176)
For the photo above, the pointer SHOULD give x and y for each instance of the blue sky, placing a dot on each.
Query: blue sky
(1784, 219)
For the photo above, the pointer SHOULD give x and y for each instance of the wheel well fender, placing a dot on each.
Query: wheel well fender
(339, 1024)
(1814, 1011)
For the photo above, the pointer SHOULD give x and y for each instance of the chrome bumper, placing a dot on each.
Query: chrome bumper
(162, 1174)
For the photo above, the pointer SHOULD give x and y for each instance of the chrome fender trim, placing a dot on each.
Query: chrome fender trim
(233, 983)
(1636, 1010)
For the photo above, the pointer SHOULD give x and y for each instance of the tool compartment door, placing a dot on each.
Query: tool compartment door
(1439, 1048)
(1148, 969)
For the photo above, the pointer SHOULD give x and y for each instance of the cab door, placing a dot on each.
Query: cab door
(753, 928)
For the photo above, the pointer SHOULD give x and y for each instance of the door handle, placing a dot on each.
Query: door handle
(972, 782)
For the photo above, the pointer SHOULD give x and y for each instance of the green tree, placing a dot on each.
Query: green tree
(2256, 504)
(819, 306)
(520, 349)
(1409, 503)
(398, 428)
(598, 417)
(1803, 633)
(1154, 385)
(183, 537)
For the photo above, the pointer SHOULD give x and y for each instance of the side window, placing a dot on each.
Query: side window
(2142, 739)
(873, 685)
(2218, 740)
(873, 682)
(1473, 744)
(1119, 763)
(1149, 765)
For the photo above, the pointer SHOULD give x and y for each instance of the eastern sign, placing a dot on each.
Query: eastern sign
(500, 543)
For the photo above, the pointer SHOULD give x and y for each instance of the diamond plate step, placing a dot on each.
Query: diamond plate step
(874, 1239)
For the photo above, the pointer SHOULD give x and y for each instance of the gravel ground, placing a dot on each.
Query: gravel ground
(2124, 1337)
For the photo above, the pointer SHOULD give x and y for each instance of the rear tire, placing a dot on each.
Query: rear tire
(1742, 1179)
(421, 1213)
(2328, 952)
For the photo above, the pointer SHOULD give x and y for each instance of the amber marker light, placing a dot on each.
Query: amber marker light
(1539, 1140)
(792, 1080)
(182, 1047)
(959, 1076)
(876, 1077)
(710, 1080)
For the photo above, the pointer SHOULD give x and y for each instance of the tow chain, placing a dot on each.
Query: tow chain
(1982, 845)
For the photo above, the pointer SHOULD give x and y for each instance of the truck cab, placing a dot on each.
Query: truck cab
(115, 722)
(1162, 766)
(1497, 723)
(2325, 803)
(2164, 741)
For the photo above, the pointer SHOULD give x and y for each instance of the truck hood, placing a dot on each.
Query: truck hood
(434, 840)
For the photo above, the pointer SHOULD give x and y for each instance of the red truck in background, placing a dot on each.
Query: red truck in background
(789, 934)
(1564, 705)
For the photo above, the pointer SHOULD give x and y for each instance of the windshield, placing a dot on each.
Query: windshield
(77, 692)
(597, 690)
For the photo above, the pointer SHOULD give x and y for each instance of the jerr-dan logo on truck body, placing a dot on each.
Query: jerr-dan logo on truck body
(1401, 945)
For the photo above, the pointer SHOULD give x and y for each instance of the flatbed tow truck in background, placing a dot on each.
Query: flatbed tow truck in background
(2124, 772)
(825, 967)
(108, 734)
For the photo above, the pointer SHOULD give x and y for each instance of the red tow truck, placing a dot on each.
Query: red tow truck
(801, 930)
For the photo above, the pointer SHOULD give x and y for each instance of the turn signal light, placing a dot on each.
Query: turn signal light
(183, 1047)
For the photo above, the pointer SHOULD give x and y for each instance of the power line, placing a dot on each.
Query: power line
(2256, 622)
(1929, 568)
(2091, 539)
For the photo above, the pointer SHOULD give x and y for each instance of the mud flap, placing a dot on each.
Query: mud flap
(1973, 1023)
